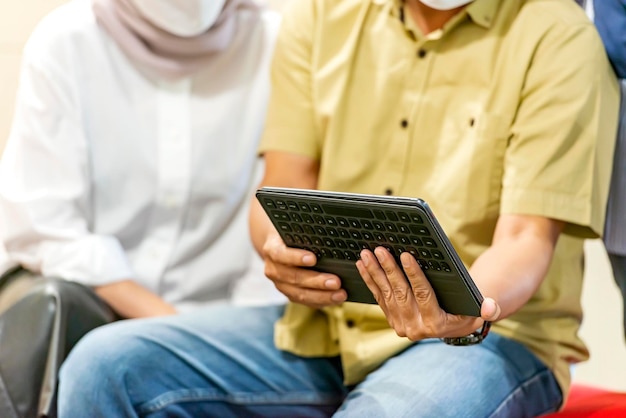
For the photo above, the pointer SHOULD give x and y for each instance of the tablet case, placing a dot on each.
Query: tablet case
(337, 226)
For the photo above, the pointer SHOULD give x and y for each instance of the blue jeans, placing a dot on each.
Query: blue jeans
(221, 362)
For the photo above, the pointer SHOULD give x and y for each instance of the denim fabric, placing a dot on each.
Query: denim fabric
(610, 18)
(221, 362)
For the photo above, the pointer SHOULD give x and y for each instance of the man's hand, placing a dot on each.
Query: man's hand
(286, 268)
(411, 306)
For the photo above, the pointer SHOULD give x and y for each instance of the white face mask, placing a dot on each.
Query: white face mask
(184, 18)
(445, 4)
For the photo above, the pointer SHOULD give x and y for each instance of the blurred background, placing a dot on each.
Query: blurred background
(602, 328)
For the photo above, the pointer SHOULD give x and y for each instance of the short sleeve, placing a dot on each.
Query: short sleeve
(558, 162)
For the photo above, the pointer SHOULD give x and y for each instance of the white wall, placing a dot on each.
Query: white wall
(602, 324)
(602, 327)
(17, 18)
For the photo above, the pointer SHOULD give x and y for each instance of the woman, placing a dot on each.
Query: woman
(126, 175)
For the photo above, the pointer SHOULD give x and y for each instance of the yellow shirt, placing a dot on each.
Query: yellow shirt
(510, 109)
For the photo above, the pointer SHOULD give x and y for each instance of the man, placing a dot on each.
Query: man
(488, 111)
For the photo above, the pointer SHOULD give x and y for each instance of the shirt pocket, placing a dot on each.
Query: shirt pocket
(471, 163)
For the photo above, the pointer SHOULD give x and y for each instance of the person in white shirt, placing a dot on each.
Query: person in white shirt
(132, 156)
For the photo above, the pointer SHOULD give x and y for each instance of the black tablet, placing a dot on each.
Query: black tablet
(337, 226)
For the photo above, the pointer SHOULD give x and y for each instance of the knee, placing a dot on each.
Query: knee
(101, 357)
(91, 355)
(99, 369)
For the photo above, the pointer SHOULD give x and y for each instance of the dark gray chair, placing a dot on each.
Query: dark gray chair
(40, 323)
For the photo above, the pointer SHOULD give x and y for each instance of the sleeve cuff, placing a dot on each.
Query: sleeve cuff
(581, 220)
(92, 260)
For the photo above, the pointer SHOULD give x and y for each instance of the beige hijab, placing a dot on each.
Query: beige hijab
(159, 52)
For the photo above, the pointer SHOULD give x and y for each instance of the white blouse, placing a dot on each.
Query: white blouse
(108, 175)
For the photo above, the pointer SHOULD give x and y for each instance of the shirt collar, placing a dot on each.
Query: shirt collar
(482, 12)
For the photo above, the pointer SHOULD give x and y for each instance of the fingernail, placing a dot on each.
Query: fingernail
(338, 297)
(308, 259)
(365, 258)
(330, 284)
(405, 262)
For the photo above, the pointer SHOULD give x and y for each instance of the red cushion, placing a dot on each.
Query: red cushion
(591, 402)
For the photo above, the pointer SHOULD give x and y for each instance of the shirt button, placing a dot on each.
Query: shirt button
(350, 323)
(389, 192)
(421, 53)
(404, 123)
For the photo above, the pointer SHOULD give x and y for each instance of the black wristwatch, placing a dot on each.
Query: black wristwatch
(475, 337)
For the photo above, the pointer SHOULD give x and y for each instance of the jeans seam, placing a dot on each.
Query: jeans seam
(261, 398)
